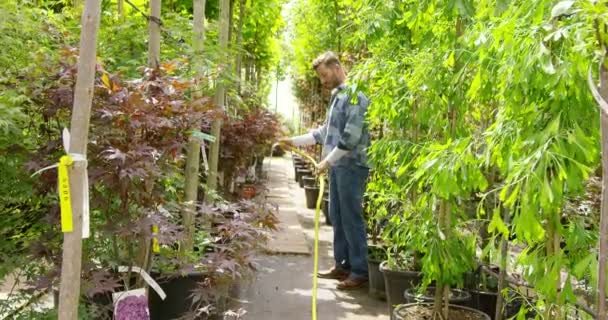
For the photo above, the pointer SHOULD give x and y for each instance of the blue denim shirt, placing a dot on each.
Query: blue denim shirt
(346, 128)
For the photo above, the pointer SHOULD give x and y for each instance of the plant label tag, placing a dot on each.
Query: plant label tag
(65, 200)
(204, 153)
(155, 246)
(203, 136)
(131, 305)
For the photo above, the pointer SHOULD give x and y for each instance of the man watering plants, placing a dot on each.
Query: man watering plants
(345, 139)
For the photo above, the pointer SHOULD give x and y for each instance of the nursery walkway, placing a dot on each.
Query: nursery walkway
(282, 288)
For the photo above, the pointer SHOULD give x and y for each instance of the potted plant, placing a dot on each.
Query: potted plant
(138, 129)
(209, 278)
(424, 311)
(401, 272)
(376, 253)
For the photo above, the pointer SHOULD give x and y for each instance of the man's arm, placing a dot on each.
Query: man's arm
(303, 140)
(315, 136)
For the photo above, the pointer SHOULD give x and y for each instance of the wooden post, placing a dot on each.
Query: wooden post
(602, 310)
(504, 254)
(194, 146)
(220, 99)
(239, 42)
(154, 29)
(69, 290)
(121, 8)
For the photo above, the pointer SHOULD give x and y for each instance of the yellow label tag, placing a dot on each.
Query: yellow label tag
(65, 200)
(155, 246)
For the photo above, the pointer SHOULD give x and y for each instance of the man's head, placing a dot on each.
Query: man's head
(329, 70)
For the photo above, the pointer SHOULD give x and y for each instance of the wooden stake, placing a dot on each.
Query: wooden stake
(194, 146)
(154, 29)
(220, 100)
(504, 252)
(69, 290)
(602, 310)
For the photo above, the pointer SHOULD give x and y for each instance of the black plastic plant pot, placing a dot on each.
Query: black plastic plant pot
(312, 194)
(304, 173)
(301, 172)
(325, 208)
(298, 164)
(484, 301)
(396, 282)
(377, 288)
(296, 173)
(309, 181)
(457, 297)
(424, 311)
(179, 296)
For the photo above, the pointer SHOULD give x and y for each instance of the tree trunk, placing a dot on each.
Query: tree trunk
(69, 290)
(258, 77)
(602, 309)
(337, 30)
(504, 252)
(121, 8)
(220, 99)
(154, 29)
(143, 256)
(442, 291)
(239, 43)
(194, 147)
(247, 71)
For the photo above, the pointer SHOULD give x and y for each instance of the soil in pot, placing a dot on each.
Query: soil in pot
(325, 208)
(178, 301)
(396, 282)
(375, 255)
(424, 311)
(457, 297)
(312, 194)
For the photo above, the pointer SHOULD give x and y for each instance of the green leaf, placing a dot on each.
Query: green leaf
(567, 292)
(475, 85)
(581, 268)
(512, 197)
(497, 224)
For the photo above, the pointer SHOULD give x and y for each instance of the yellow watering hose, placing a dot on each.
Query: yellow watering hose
(316, 243)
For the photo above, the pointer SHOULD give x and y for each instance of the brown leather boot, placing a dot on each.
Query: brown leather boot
(334, 273)
(352, 284)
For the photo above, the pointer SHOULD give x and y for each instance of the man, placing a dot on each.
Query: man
(345, 140)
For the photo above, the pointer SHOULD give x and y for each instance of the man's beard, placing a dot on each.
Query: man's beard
(335, 82)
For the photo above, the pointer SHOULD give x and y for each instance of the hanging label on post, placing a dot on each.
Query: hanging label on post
(204, 154)
(65, 199)
(203, 136)
(155, 245)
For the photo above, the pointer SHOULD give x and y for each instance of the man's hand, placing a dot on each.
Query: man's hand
(286, 142)
(322, 167)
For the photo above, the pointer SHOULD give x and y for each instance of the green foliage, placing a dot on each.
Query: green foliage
(474, 104)
(32, 40)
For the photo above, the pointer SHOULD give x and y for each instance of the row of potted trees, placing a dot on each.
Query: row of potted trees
(306, 179)
(139, 130)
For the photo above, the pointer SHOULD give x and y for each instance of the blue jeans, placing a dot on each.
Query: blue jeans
(346, 188)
